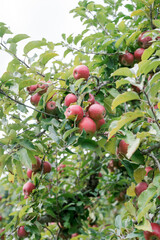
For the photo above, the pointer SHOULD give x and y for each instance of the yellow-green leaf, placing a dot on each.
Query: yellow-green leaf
(145, 226)
(142, 212)
(120, 40)
(124, 97)
(123, 72)
(138, 12)
(139, 174)
(130, 208)
(121, 82)
(45, 57)
(131, 190)
(148, 52)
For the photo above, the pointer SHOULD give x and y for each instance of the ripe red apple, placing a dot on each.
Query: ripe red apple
(47, 167)
(127, 59)
(88, 125)
(96, 111)
(122, 148)
(0, 198)
(156, 106)
(3, 236)
(142, 186)
(60, 167)
(43, 86)
(70, 98)
(74, 112)
(148, 169)
(81, 71)
(99, 123)
(91, 99)
(144, 41)
(22, 232)
(74, 235)
(155, 234)
(138, 54)
(1, 218)
(36, 167)
(32, 88)
(28, 188)
(50, 107)
(100, 174)
(35, 99)
(29, 173)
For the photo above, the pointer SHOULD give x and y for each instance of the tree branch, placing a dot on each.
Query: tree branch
(150, 149)
(155, 159)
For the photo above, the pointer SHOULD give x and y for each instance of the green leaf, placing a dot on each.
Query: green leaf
(146, 196)
(27, 83)
(132, 38)
(123, 72)
(45, 57)
(139, 174)
(87, 143)
(23, 210)
(19, 37)
(122, 26)
(138, 12)
(19, 169)
(156, 22)
(121, 82)
(155, 89)
(53, 134)
(24, 158)
(34, 44)
(69, 132)
(131, 190)
(148, 52)
(124, 97)
(142, 212)
(145, 226)
(130, 208)
(27, 144)
(120, 40)
(126, 118)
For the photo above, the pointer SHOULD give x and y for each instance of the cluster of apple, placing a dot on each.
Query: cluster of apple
(144, 42)
(93, 117)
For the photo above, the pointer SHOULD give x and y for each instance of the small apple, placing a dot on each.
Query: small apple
(22, 232)
(36, 167)
(122, 148)
(100, 174)
(50, 107)
(81, 71)
(74, 235)
(74, 112)
(1, 218)
(155, 234)
(96, 111)
(156, 106)
(148, 169)
(70, 98)
(127, 59)
(47, 167)
(91, 99)
(60, 167)
(29, 173)
(43, 86)
(3, 236)
(35, 99)
(138, 54)
(99, 123)
(88, 125)
(28, 188)
(32, 88)
(144, 41)
(142, 186)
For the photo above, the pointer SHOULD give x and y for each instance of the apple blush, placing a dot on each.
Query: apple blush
(70, 98)
(74, 112)
(142, 186)
(88, 125)
(96, 111)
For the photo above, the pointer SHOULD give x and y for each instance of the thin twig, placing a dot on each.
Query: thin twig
(155, 159)
(150, 149)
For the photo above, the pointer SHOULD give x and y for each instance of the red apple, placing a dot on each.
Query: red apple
(96, 111)
(29, 173)
(0, 198)
(155, 234)
(60, 167)
(91, 99)
(36, 167)
(156, 106)
(99, 123)
(32, 88)
(70, 98)
(148, 169)
(138, 54)
(43, 86)
(74, 235)
(122, 148)
(22, 232)
(142, 186)
(50, 107)
(100, 174)
(144, 41)
(81, 71)
(127, 59)
(3, 236)
(74, 112)
(47, 167)
(35, 99)
(1, 218)
(28, 188)
(88, 125)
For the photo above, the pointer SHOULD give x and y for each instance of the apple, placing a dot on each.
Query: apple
(156, 106)
(43, 86)
(36, 167)
(74, 235)
(0, 198)
(74, 112)
(88, 125)
(81, 71)
(111, 165)
(1, 218)
(29, 173)
(99, 123)
(138, 54)
(91, 99)
(155, 234)
(96, 111)
(32, 88)
(35, 99)
(100, 174)
(50, 107)
(47, 167)
(142, 186)
(144, 41)
(70, 98)
(122, 148)
(28, 188)
(127, 59)
(148, 169)
(60, 167)
(2, 230)
(22, 232)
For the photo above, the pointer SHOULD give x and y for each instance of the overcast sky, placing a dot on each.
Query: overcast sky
(38, 19)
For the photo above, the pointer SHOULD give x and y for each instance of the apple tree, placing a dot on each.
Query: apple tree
(80, 136)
